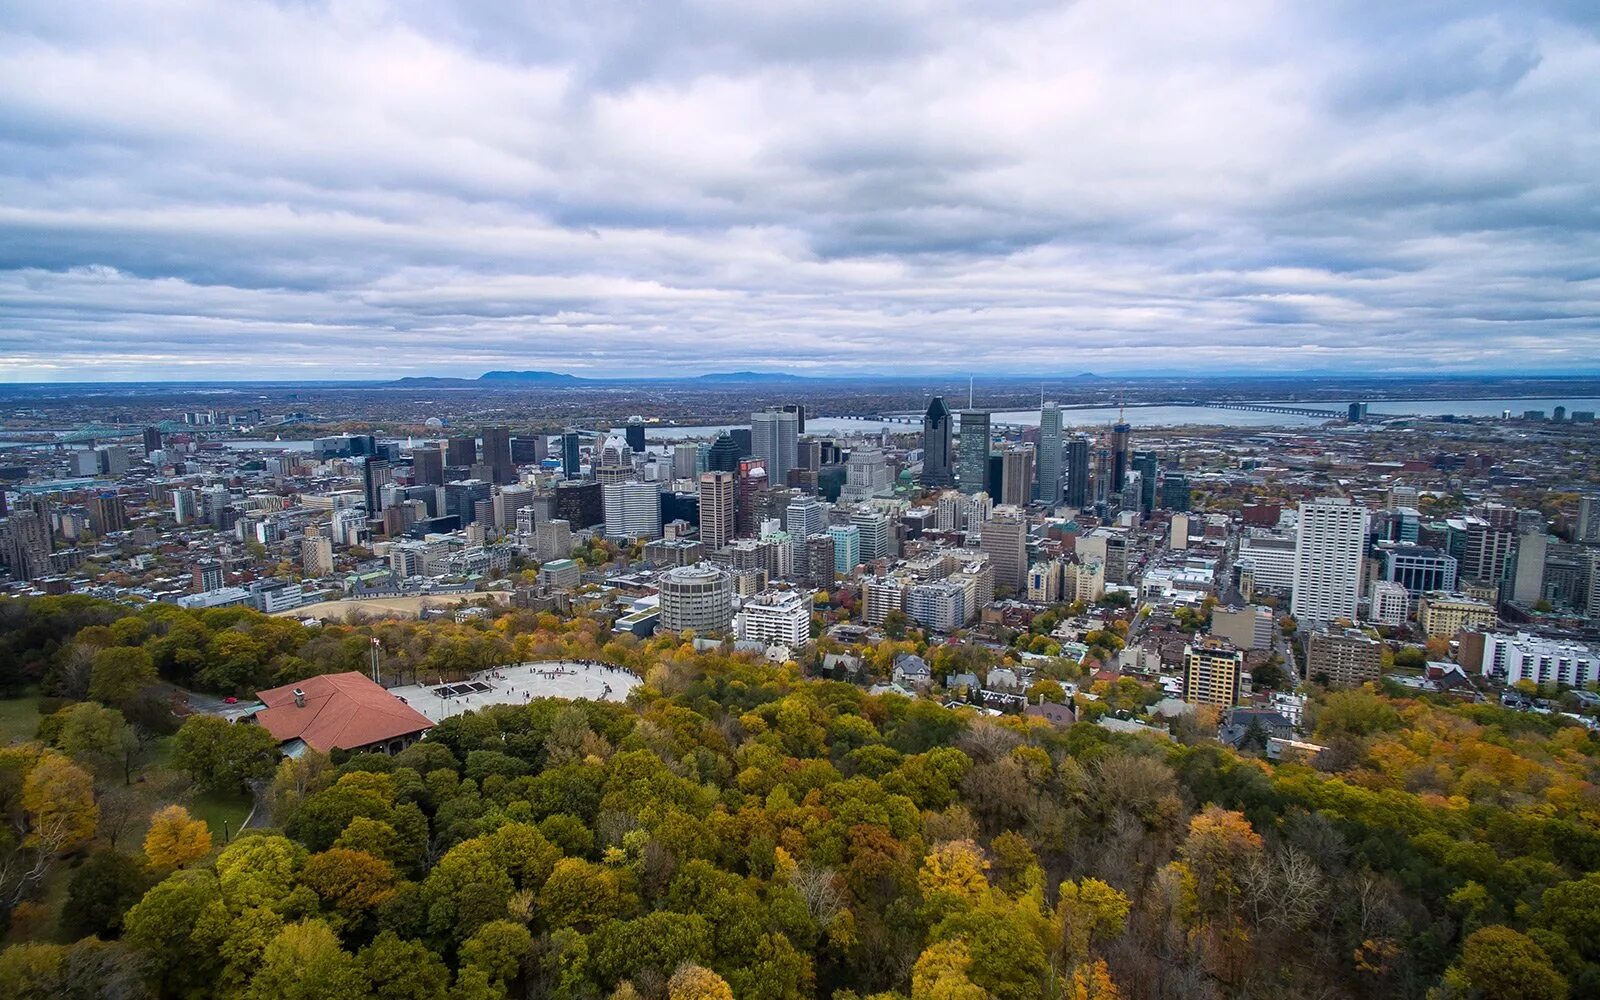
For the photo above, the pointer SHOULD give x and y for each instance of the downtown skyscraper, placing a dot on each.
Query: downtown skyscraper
(938, 471)
(1077, 472)
(775, 438)
(972, 457)
(1047, 485)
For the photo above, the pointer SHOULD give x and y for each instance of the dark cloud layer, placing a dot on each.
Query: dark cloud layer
(358, 188)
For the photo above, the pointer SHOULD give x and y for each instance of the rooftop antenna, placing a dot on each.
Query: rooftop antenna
(969, 392)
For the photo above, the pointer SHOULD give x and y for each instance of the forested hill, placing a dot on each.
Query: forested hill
(737, 830)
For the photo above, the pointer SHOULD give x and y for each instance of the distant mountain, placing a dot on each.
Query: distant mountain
(540, 378)
(751, 377)
(1086, 375)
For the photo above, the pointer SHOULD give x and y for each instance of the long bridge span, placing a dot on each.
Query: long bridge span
(1312, 411)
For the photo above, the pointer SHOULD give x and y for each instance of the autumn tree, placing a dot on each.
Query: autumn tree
(694, 982)
(175, 838)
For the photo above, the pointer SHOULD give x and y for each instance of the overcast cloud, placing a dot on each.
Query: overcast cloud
(360, 189)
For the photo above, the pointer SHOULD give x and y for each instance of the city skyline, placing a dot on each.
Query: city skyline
(387, 190)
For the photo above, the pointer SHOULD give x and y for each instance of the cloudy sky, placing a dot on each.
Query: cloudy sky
(356, 189)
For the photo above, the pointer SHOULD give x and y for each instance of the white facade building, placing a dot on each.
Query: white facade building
(632, 509)
(777, 616)
(1391, 603)
(1329, 553)
(1535, 658)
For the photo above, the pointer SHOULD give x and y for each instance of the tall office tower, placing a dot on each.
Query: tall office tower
(846, 547)
(748, 483)
(1016, 476)
(375, 475)
(152, 439)
(820, 570)
(316, 555)
(741, 440)
(1121, 442)
(1175, 492)
(1102, 492)
(799, 411)
(972, 453)
(1329, 555)
(1047, 485)
(1526, 570)
(685, 461)
(1588, 519)
(528, 450)
(461, 499)
(497, 455)
(805, 516)
(571, 460)
(724, 456)
(808, 455)
(1005, 539)
(1077, 491)
(632, 509)
(1145, 464)
(107, 514)
(876, 533)
(461, 452)
(614, 462)
(27, 545)
(775, 437)
(185, 507)
(508, 500)
(938, 472)
(716, 509)
(580, 504)
(633, 433)
(427, 466)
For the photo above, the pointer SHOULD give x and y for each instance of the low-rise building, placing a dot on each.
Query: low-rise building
(1444, 615)
(776, 616)
(1343, 659)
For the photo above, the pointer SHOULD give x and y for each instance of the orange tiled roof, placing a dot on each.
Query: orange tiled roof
(342, 712)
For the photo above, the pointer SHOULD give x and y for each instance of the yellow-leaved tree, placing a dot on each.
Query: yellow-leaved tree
(695, 982)
(176, 838)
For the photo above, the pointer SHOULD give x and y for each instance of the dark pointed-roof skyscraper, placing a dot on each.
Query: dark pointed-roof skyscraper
(938, 470)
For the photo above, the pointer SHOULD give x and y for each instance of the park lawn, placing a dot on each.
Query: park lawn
(19, 718)
(215, 807)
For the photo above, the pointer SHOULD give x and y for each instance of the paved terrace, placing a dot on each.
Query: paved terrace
(519, 684)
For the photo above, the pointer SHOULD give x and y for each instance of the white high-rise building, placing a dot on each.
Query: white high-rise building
(1329, 552)
(632, 509)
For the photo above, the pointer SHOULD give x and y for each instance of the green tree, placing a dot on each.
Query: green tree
(259, 869)
(163, 928)
(499, 948)
(101, 891)
(1502, 964)
(398, 969)
(223, 756)
(100, 739)
(120, 672)
(305, 962)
